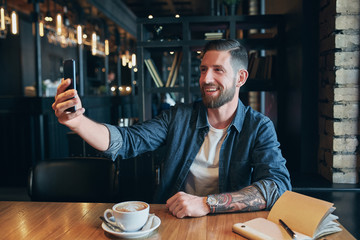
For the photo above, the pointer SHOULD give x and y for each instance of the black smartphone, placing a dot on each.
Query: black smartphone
(70, 72)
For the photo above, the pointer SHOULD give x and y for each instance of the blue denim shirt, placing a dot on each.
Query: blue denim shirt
(250, 153)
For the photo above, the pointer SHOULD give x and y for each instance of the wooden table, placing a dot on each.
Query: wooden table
(49, 220)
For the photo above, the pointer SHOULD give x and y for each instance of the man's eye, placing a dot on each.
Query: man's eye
(218, 69)
(202, 70)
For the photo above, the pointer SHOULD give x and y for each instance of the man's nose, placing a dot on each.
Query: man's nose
(208, 76)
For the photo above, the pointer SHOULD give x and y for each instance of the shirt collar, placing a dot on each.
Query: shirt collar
(237, 122)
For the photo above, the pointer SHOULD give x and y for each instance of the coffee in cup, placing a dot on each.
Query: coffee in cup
(131, 206)
(129, 216)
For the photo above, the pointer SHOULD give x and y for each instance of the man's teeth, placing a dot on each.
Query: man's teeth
(211, 89)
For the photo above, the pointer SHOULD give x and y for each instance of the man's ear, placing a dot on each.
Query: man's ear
(242, 77)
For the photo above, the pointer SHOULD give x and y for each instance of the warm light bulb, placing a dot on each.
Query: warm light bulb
(79, 34)
(128, 89)
(107, 50)
(14, 23)
(123, 60)
(177, 16)
(93, 43)
(129, 64)
(150, 16)
(48, 18)
(2, 18)
(41, 29)
(58, 24)
(133, 59)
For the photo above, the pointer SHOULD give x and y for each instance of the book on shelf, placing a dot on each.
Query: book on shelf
(213, 35)
(254, 67)
(252, 56)
(254, 100)
(153, 72)
(176, 70)
(172, 69)
(307, 217)
(260, 67)
(269, 66)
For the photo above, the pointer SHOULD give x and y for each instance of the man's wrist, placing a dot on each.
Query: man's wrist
(206, 206)
(212, 202)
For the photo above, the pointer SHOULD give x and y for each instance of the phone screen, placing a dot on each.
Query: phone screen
(70, 72)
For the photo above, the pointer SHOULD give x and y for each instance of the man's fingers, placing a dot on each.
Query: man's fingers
(66, 95)
(63, 85)
(61, 107)
(173, 199)
(186, 205)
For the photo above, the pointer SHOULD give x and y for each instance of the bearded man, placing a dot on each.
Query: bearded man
(220, 156)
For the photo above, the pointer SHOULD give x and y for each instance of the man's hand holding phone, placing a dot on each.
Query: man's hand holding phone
(67, 99)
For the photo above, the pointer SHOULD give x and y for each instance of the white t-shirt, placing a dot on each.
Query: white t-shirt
(203, 178)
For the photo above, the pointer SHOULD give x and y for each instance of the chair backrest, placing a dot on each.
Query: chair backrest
(73, 180)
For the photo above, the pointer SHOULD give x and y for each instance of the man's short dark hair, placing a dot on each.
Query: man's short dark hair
(239, 56)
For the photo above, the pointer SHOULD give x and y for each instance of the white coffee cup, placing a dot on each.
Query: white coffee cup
(129, 216)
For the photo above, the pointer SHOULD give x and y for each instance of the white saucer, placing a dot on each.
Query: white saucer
(156, 223)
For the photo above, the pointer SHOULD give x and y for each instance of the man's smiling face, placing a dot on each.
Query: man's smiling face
(217, 80)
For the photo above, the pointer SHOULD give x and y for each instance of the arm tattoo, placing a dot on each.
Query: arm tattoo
(247, 199)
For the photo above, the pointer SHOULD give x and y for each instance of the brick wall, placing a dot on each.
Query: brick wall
(339, 125)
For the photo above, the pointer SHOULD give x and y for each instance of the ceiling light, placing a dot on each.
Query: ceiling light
(48, 17)
(107, 50)
(123, 60)
(133, 59)
(58, 23)
(79, 34)
(93, 43)
(177, 15)
(2, 18)
(14, 23)
(150, 16)
(41, 29)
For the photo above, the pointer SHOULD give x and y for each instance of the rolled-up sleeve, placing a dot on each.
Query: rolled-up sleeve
(269, 190)
(270, 174)
(115, 141)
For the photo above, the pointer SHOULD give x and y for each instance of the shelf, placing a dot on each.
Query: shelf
(189, 37)
(258, 20)
(193, 28)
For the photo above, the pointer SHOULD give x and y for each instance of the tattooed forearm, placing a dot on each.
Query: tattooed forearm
(247, 199)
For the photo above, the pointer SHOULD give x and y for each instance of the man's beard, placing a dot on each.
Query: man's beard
(225, 96)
